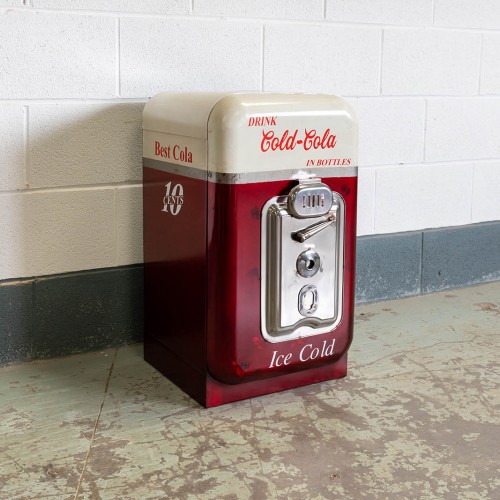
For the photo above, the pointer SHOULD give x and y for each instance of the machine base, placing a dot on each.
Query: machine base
(209, 392)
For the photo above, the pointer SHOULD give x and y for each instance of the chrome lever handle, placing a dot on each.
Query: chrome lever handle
(313, 229)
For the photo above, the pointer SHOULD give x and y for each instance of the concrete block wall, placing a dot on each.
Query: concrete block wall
(423, 77)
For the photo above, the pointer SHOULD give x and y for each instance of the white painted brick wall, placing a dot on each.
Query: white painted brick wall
(11, 147)
(48, 232)
(467, 13)
(490, 69)
(390, 130)
(463, 129)
(402, 12)
(420, 62)
(188, 55)
(140, 7)
(129, 224)
(321, 58)
(284, 9)
(423, 77)
(56, 55)
(366, 200)
(81, 144)
(486, 192)
(407, 197)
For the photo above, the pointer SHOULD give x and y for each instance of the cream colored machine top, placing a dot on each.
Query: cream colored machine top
(251, 132)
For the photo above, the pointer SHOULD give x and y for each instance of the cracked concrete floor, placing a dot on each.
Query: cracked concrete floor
(417, 417)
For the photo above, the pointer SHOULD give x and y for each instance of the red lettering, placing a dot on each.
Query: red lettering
(314, 141)
(328, 140)
(343, 162)
(267, 137)
(289, 140)
(285, 142)
(162, 151)
(183, 154)
(261, 121)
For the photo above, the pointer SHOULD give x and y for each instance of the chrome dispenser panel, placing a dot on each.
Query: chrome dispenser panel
(302, 254)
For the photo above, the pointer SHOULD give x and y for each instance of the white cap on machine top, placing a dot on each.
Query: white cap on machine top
(250, 132)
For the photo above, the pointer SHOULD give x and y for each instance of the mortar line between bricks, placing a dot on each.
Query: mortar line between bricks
(117, 55)
(77, 187)
(473, 175)
(374, 214)
(26, 144)
(143, 100)
(290, 20)
(424, 144)
(75, 100)
(262, 55)
(431, 162)
(381, 70)
(106, 387)
(480, 69)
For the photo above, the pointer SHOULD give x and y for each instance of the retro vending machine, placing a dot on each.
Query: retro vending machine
(249, 241)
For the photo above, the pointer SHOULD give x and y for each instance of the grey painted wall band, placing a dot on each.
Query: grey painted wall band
(91, 310)
(249, 177)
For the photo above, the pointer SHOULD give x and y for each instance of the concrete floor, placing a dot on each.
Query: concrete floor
(417, 417)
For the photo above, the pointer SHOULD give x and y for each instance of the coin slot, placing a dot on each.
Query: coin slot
(308, 300)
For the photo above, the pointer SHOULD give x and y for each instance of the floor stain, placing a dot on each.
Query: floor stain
(365, 316)
(50, 471)
(487, 306)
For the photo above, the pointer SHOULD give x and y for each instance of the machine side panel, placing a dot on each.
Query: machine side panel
(175, 266)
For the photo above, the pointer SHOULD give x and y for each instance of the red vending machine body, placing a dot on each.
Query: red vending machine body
(249, 241)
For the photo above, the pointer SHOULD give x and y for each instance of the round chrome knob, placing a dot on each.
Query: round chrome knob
(308, 263)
